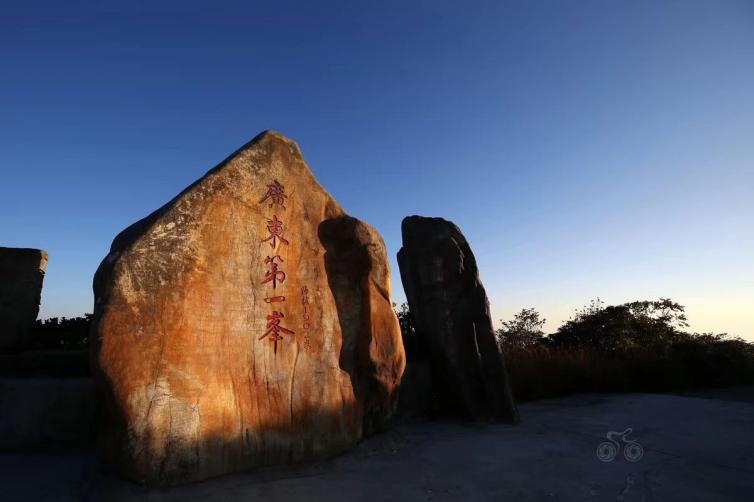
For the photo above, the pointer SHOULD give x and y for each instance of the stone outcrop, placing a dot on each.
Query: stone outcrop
(454, 364)
(22, 272)
(247, 322)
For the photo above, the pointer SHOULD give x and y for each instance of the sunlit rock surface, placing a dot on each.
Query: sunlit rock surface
(22, 272)
(454, 366)
(247, 322)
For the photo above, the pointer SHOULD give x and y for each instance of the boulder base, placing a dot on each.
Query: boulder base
(454, 364)
(247, 322)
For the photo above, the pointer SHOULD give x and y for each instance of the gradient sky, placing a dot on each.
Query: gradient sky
(584, 148)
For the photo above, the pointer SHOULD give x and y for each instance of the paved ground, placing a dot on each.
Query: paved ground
(744, 394)
(694, 449)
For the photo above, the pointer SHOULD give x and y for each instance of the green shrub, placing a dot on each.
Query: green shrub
(634, 347)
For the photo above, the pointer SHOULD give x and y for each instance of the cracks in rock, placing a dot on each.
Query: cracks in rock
(158, 367)
(290, 386)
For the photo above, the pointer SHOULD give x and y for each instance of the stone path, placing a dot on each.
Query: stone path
(694, 449)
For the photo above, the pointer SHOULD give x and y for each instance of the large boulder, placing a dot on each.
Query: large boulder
(22, 272)
(247, 322)
(454, 364)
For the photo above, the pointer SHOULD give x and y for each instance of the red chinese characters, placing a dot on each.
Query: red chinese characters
(275, 194)
(274, 275)
(274, 329)
(307, 324)
(275, 228)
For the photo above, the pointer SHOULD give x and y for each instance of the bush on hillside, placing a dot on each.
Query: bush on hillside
(639, 346)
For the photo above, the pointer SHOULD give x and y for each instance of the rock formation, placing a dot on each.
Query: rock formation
(247, 322)
(22, 272)
(454, 364)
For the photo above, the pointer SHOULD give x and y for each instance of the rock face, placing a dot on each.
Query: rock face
(454, 365)
(22, 272)
(247, 322)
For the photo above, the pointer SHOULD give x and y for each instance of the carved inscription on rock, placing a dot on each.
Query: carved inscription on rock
(233, 328)
(275, 276)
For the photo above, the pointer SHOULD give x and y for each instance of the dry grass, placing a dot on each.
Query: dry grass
(540, 372)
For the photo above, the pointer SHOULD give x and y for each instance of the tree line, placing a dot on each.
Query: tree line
(639, 346)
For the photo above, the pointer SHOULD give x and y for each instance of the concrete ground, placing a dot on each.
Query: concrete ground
(694, 448)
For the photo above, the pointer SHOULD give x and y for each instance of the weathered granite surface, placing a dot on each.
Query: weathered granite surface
(247, 322)
(454, 364)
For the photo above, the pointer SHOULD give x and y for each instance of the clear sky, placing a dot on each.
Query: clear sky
(585, 148)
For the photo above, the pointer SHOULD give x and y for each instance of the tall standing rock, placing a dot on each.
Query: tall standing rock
(454, 364)
(22, 272)
(247, 322)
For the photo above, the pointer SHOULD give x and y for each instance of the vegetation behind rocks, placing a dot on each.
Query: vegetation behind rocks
(61, 333)
(640, 346)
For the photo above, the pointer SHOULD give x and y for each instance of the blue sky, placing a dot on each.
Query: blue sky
(585, 148)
